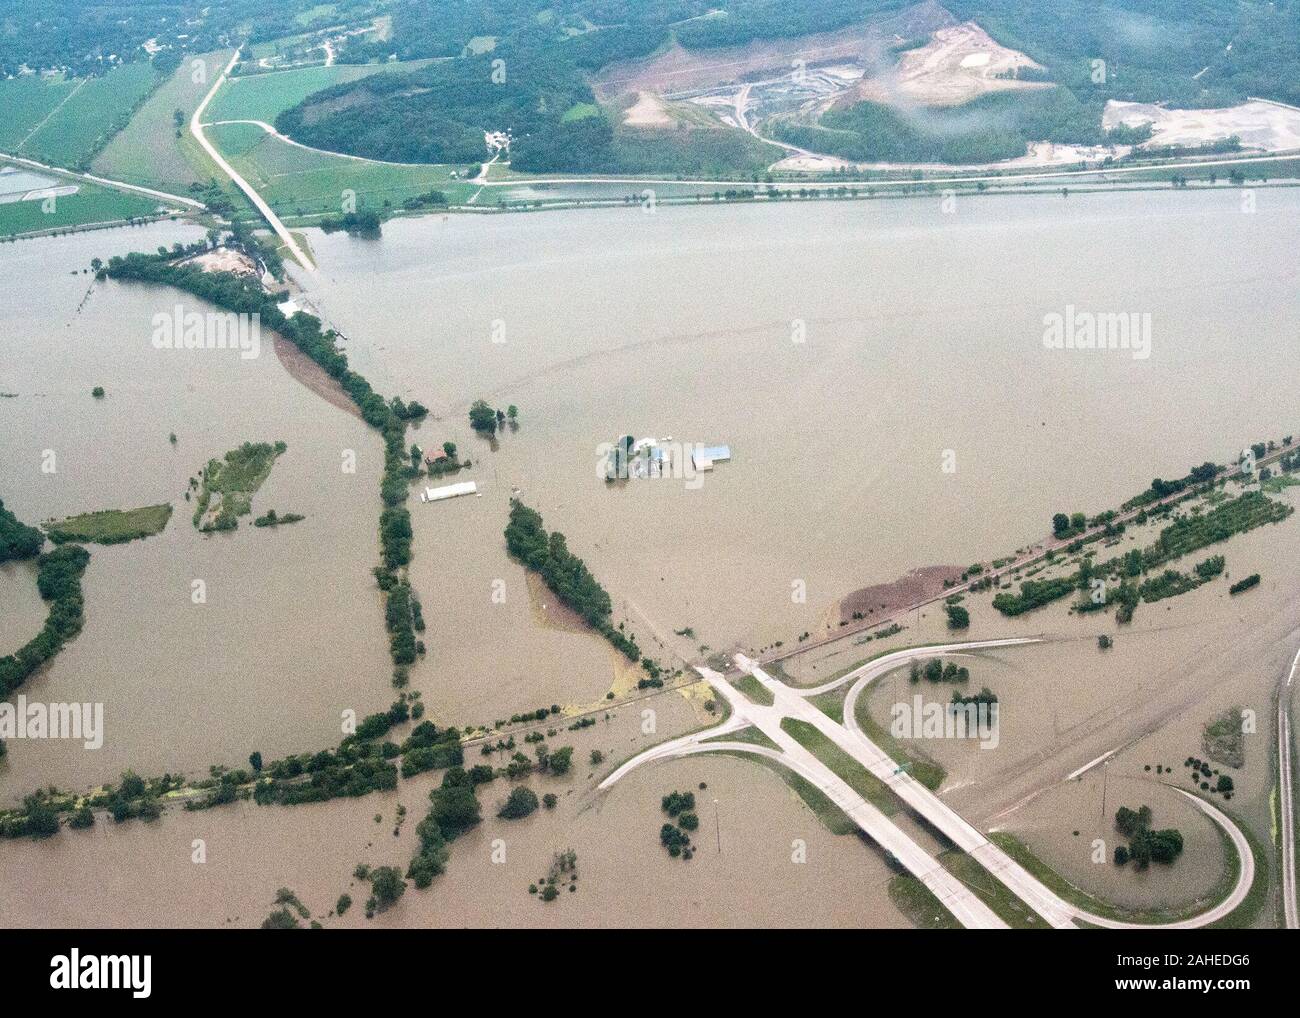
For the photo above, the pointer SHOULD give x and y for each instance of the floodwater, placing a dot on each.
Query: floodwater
(202, 648)
(745, 871)
(848, 353)
(920, 332)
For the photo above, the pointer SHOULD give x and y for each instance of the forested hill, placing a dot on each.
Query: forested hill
(1182, 52)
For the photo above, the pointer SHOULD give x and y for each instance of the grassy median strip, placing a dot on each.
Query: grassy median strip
(831, 704)
(749, 734)
(917, 763)
(919, 904)
(993, 892)
(854, 774)
(755, 690)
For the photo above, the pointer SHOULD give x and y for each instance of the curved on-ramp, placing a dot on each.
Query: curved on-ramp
(1059, 912)
(1028, 887)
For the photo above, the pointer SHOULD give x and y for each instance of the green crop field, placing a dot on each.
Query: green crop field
(92, 112)
(91, 204)
(25, 102)
(265, 96)
(301, 182)
(147, 151)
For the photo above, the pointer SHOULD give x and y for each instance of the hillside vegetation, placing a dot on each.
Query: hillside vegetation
(537, 69)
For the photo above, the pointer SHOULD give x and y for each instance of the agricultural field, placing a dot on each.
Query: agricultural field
(86, 117)
(148, 151)
(265, 96)
(91, 205)
(25, 102)
(301, 182)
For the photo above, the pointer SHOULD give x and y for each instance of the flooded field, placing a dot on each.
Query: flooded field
(879, 373)
(749, 823)
(839, 351)
(289, 631)
(1065, 703)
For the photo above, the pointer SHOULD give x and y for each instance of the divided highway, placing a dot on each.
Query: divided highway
(792, 702)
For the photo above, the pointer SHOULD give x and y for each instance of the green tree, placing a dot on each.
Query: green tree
(521, 802)
(387, 884)
(561, 760)
(482, 418)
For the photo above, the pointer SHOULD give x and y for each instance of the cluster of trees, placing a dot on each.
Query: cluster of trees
(428, 748)
(273, 519)
(521, 802)
(485, 420)
(985, 696)
(365, 223)
(564, 572)
(1183, 536)
(533, 83)
(1182, 59)
(400, 617)
(934, 670)
(58, 579)
(1034, 594)
(1067, 526)
(1183, 62)
(675, 837)
(1202, 772)
(958, 617)
(17, 539)
(1242, 585)
(453, 809)
(1160, 488)
(1145, 845)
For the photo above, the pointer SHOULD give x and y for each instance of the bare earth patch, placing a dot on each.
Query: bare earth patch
(680, 70)
(302, 368)
(957, 65)
(647, 112)
(1260, 124)
(883, 599)
(224, 259)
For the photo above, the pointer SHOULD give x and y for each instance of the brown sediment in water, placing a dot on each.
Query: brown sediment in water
(305, 370)
(548, 610)
(884, 599)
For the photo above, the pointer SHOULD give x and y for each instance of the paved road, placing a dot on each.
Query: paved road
(1286, 773)
(196, 128)
(106, 182)
(964, 904)
(1020, 881)
(1007, 178)
(793, 702)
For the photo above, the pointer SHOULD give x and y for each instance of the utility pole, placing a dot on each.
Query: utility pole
(717, 823)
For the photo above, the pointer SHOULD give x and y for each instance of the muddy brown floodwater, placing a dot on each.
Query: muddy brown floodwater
(879, 372)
